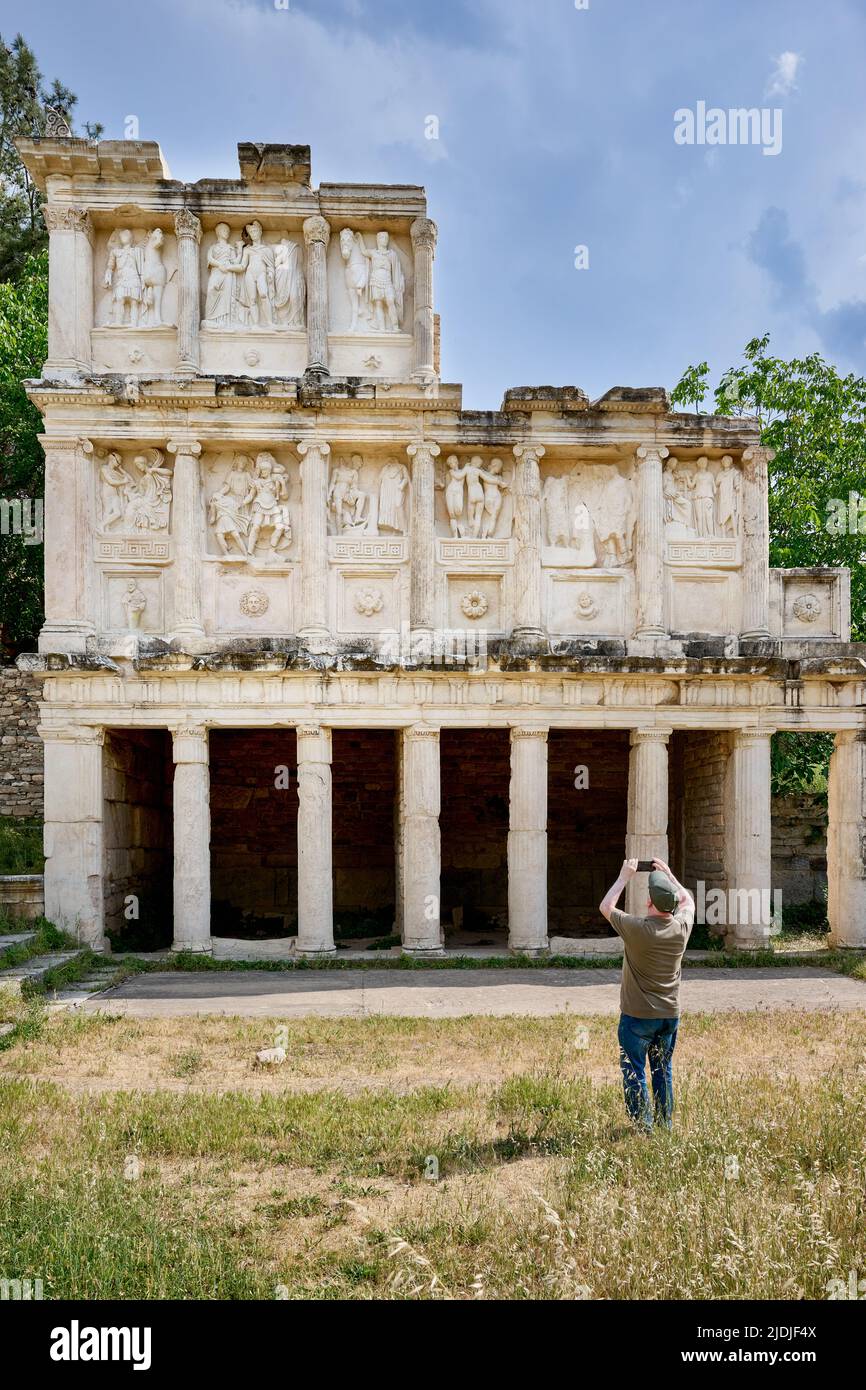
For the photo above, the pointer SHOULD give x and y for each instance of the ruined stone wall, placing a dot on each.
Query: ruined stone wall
(20, 745)
(700, 820)
(800, 848)
(586, 826)
(475, 773)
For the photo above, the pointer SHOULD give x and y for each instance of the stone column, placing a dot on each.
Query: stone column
(420, 841)
(70, 270)
(422, 537)
(756, 544)
(191, 801)
(73, 833)
(317, 234)
(188, 230)
(68, 522)
(188, 536)
(527, 532)
(315, 875)
(527, 842)
(649, 557)
(314, 538)
(647, 826)
(846, 840)
(424, 236)
(748, 864)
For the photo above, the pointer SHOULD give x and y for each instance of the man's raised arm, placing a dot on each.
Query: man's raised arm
(609, 901)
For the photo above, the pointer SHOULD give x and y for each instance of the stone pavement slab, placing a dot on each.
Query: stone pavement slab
(454, 993)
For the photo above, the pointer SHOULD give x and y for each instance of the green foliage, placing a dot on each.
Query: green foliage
(20, 846)
(799, 763)
(815, 420)
(692, 387)
(23, 349)
(24, 103)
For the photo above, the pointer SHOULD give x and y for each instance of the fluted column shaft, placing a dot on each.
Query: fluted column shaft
(647, 826)
(527, 842)
(420, 844)
(70, 273)
(649, 558)
(191, 833)
(314, 538)
(73, 832)
(70, 579)
(424, 234)
(756, 544)
(315, 873)
(188, 230)
(527, 533)
(188, 534)
(748, 861)
(317, 234)
(846, 840)
(422, 533)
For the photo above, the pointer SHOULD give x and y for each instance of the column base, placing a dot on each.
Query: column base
(314, 953)
(424, 952)
(195, 948)
(759, 635)
(747, 943)
(534, 952)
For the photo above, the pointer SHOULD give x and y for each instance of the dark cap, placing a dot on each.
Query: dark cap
(663, 895)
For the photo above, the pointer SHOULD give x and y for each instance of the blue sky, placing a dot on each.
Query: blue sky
(556, 129)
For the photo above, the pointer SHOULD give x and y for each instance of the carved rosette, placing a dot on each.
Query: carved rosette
(474, 604)
(807, 608)
(368, 602)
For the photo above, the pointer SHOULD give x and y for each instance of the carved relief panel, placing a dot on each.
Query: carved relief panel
(252, 508)
(474, 500)
(589, 512)
(368, 497)
(253, 299)
(133, 504)
(703, 504)
(135, 296)
(370, 301)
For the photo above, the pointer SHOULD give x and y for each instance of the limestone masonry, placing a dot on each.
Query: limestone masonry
(319, 642)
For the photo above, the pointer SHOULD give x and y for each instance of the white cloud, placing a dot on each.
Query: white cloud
(783, 78)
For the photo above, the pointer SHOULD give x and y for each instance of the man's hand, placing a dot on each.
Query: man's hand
(665, 868)
(629, 869)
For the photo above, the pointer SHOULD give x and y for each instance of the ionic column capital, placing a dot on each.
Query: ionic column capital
(186, 224)
(192, 447)
(743, 738)
(638, 736)
(317, 229)
(531, 453)
(51, 443)
(423, 450)
(659, 451)
(67, 217)
(313, 446)
(758, 456)
(189, 743)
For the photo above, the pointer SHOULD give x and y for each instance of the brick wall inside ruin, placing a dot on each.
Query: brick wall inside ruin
(137, 777)
(800, 848)
(20, 745)
(697, 814)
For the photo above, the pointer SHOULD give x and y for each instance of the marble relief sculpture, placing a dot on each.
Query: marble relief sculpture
(138, 504)
(700, 502)
(393, 485)
(473, 497)
(589, 516)
(250, 507)
(253, 284)
(375, 282)
(346, 502)
(134, 602)
(136, 276)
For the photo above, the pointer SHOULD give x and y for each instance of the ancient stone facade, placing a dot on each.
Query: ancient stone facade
(20, 745)
(268, 518)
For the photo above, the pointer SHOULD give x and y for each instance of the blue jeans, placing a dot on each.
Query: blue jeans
(639, 1039)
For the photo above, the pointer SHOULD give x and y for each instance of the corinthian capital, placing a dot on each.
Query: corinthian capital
(424, 232)
(65, 217)
(186, 224)
(317, 229)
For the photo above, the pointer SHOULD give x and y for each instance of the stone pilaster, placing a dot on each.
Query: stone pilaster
(191, 802)
(315, 874)
(424, 234)
(846, 840)
(647, 826)
(756, 544)
(70, 580)
(70, 270)
(188, 230)
(527, 842)
(527, 533)
(748, 862)
(314, 539)
(419, 841)
(317, 234)
(649, 556)
(73, 832)
(422, 533)
(188, 536)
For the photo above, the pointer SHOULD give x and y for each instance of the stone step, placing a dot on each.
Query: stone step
(73, 995)
(34, 970)
(19, 938)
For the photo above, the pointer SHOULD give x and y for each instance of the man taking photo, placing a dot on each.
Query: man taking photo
(650, 995)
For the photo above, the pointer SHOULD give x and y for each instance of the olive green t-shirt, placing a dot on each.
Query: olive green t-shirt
(653, 953)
